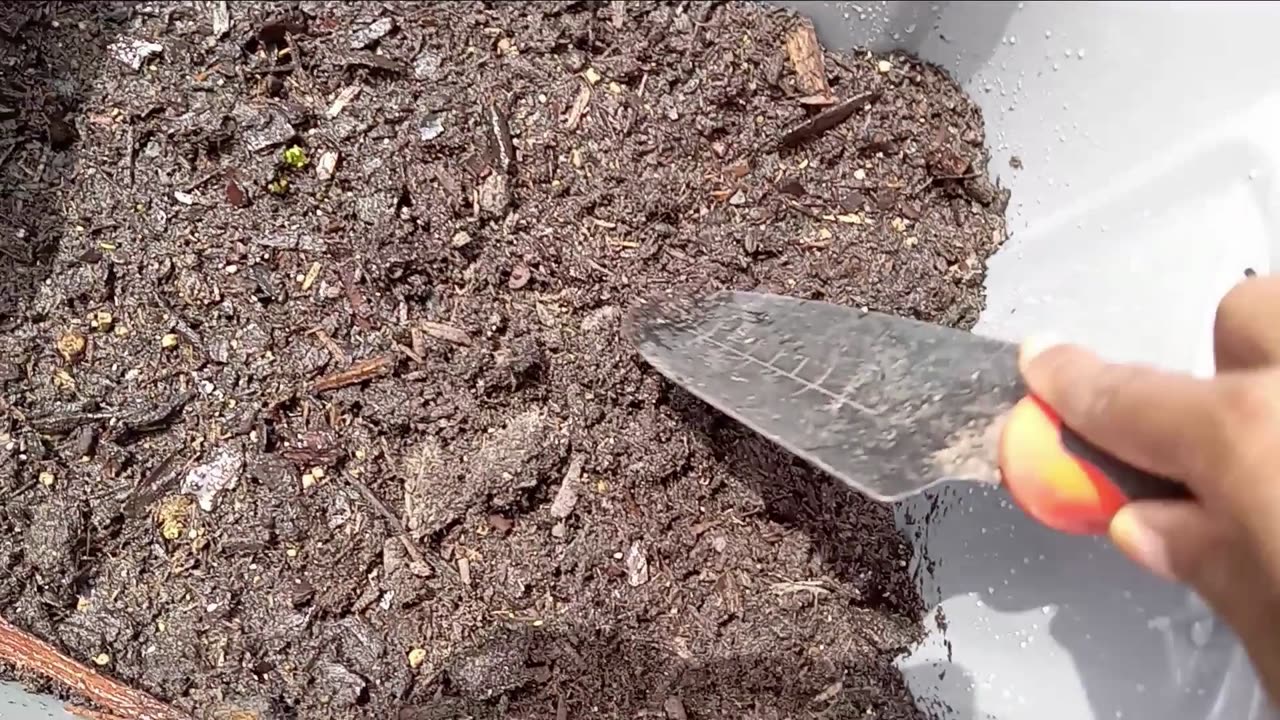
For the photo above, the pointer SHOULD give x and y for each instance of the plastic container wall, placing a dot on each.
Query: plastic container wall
(1146, 133)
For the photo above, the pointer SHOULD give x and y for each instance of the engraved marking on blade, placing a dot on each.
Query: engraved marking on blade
(837, 399)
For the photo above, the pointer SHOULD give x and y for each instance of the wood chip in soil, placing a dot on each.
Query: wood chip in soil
(432, 322)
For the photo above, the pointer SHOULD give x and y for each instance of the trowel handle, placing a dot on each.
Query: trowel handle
(1063, 481)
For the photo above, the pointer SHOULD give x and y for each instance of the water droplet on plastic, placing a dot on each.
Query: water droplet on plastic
(911, 28)
(1013, 39)
(1046, 609)
(1023, 644)
(1048, 33)
(1055, 67)
(1200, 631)
(977, 603)
(1067, 52)
(1080, 53)
(991, 590)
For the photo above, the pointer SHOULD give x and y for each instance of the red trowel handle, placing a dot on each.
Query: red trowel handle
(1062, 481)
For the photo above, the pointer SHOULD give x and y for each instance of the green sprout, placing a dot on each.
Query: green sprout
(279, 186)
(295, 157)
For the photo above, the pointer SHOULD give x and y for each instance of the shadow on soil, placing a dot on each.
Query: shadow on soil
(857, 539)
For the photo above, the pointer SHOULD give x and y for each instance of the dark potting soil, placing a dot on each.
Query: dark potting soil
(278, 282)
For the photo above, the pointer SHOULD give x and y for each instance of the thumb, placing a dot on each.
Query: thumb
(1174, 539)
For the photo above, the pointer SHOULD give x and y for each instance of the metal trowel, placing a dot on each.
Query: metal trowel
(888, 405)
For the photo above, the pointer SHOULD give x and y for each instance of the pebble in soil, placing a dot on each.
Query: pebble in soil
(364, 266)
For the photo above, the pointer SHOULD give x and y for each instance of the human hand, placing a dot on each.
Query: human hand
(1220, 436)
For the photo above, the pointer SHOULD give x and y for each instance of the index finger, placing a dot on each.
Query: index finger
(1159, 421)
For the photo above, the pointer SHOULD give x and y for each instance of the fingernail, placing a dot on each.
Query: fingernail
(1141, 543)
(1034, 345)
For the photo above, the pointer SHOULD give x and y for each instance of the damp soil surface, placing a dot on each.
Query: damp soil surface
(315, 401)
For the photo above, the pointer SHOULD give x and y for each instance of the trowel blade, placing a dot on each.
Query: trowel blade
(888, 405)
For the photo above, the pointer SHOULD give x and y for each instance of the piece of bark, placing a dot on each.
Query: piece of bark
(806, 58)
(579, 107)
(448, 333)
(500, 131)
(358, 372)
(27, 652)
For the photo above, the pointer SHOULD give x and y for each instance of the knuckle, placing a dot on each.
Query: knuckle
(1247, 418)
(1108, 384)
(1245, 403)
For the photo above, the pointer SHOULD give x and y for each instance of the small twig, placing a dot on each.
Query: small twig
(339, 355)
(446, 332)
(415, 554)
(204, 179)
(797, 207)
(129, 149)
(27, 652)
(359, 308)
(359, 372)
(827, 119)
(273, 70)
(937, 178)
(410, 353)
(19, 491)
(40, 166)
(10, 150)
(26, 260)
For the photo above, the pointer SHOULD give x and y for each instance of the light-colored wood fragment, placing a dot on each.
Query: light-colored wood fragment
(806, 57)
